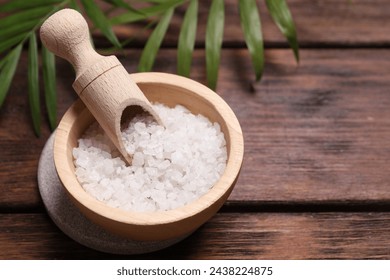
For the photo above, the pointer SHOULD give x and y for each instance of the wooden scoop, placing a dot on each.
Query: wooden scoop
(101, 81)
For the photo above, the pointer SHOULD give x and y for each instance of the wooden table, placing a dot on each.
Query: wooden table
(315, 182)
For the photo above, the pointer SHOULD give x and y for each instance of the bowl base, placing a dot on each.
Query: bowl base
(74, 224)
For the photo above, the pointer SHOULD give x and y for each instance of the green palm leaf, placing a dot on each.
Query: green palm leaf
(7, 72)
(130, 16)
(73, 5)
(9, 43)
(33, 83)
(2, 63)
(283, 19)
(100, 21)
(154, 42)
(16, 29)
(121, 4)
(250, 24)
(187, 39)
(214, 35)
(19, 17)
(163, 6)
(22, 19)
(15, 5)
(49, 82)
(153, 1)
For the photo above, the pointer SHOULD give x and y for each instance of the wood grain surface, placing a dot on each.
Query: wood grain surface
(317, 132)
(226, 236)
(319, 23)
(315, 178)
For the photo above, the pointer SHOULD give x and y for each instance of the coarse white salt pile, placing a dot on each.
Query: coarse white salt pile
(171, 166)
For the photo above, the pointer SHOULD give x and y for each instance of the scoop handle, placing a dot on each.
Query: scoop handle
(66, 34)
(101, 81)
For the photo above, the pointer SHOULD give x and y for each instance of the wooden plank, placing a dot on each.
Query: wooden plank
(316, 132)
(313, 133)
(319, 23)
(226, 236)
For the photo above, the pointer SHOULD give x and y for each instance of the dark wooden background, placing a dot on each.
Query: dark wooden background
(316, 173)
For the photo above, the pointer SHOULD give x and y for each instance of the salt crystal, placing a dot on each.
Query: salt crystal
(140, 127)
(138, 159)
(164, 165)
(171, 165)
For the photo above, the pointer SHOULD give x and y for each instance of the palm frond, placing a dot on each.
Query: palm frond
(49, 83)
(121, 4)
(250, 24)
(282, 17)
(9, 43)
(214, 35)
(16, 29)
(74, 5)
(24, 15)
(7, 71)
(100, 21)
(33, 84)
(154, 42)
(23, 18)
(187, 36)
(16, 5)
(161, 8)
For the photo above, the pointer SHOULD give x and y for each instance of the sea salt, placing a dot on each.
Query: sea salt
(171, 167)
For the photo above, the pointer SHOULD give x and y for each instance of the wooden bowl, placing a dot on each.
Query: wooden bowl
(170, 90)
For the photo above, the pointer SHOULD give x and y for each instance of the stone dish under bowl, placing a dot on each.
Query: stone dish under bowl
(169, 90)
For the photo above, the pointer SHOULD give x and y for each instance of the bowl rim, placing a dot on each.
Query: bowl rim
(221, 188)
